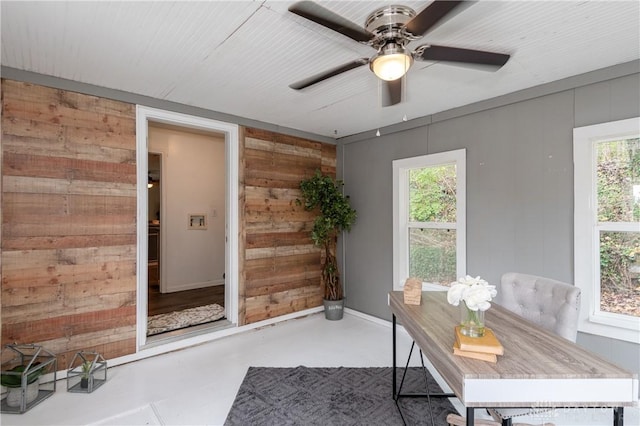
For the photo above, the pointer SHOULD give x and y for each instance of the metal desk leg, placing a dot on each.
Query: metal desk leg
(618, 416)
(393, 327)
(470, 416)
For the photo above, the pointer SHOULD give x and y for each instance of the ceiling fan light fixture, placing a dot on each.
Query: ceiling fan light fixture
(391, 63)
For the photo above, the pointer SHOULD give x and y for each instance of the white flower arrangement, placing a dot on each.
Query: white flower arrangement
(475, 292)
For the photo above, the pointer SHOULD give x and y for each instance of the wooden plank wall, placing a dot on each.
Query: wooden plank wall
(281, 271)
(68, 235)
(69, 221)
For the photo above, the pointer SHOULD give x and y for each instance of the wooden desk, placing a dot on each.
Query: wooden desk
(538, 368)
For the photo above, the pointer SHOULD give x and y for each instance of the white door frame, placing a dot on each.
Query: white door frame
(143, 116)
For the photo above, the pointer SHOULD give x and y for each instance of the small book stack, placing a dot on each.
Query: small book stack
(485, 348)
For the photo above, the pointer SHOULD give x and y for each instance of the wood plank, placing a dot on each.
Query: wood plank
(17, 204)
(67, 168)
(264, 307)
(271, 265)
(266, 135)
(257, 194)
(21, 277)
(278, 239)
(50, 108)
(12, 297)
(33, 93)
(280, 251)
(285, 286)
(81, 289)
(81, 341)
(69, 293)
(273, 206)
(21, 260)
(285, 164)
(66, 149)
(38, 131)
(262, 227)
(295, 217)
(59, 242)
(72, 225)
(309, 273)
(109, 350)
(284, 149)
(35, 185)
(66, 325)
(38, 311)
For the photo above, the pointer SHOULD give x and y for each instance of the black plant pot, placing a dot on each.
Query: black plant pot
(84, 382)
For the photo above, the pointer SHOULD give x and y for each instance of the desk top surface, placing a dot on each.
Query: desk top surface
(531, 354)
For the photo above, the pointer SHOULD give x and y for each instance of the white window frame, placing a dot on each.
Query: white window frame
(587, 231)
(401, 222)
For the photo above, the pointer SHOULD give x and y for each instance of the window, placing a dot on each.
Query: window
(607, 227)
(429, 238)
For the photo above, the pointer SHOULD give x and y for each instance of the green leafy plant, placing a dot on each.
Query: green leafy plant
(322, 193)
(13, 378)
(86, 369)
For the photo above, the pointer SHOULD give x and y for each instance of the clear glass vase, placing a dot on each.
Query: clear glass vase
(471, 322)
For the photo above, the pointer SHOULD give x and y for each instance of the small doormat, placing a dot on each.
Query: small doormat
(333, 396)
(186, 318)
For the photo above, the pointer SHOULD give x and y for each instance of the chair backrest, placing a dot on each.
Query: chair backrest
(551, 304)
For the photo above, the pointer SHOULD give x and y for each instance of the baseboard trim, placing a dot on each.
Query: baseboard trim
(159, 348)
(375, 320)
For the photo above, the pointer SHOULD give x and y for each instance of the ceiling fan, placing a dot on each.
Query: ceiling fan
(389, 30)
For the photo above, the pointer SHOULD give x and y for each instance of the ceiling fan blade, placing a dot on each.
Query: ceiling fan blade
(454, 54)
(431, 15)
(391, 92)
(328, 74)
(326, 18)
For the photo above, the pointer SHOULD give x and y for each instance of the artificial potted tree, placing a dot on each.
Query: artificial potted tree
(323, 194)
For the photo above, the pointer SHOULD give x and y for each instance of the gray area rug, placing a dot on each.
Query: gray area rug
(184, 318)
(333, 396)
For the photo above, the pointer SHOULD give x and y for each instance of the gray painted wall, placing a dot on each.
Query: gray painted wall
(515, 222)
(519, 190)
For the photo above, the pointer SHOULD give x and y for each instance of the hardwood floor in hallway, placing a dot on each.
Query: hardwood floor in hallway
(162, 303)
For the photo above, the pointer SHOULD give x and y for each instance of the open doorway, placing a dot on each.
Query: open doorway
(186, 228)
(186, 235)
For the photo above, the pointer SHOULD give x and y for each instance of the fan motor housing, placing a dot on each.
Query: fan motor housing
(387, 22)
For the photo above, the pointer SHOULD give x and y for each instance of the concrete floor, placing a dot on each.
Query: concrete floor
(197, 385)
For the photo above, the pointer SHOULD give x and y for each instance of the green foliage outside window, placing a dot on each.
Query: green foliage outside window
(432, 198)
(618, 186)
(432, 194)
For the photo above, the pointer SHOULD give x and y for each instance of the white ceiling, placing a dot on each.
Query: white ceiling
(239, 57)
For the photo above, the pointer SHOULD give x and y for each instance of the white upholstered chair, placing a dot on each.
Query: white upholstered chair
(551, 304)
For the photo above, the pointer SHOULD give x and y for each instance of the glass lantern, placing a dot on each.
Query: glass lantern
(28, 377)
(87, 372)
